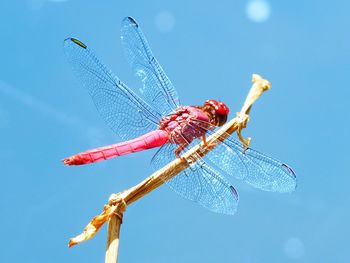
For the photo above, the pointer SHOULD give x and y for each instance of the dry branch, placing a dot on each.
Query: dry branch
(113, 211)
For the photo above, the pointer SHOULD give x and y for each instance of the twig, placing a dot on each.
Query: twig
(113, 239)
(113, 212)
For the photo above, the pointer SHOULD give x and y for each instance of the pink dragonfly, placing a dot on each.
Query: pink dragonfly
(158, 120)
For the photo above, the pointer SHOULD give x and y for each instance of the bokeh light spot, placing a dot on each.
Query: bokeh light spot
(165, 21)
(258, 10)
(294, 247)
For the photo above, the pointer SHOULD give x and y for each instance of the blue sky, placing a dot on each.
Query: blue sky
(209, 51)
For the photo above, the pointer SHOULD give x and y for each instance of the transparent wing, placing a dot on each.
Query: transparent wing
(157, 88)
(255, 168)
(199, 183)
(127, 114)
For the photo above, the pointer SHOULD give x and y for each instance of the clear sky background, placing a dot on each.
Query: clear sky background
(209, 50)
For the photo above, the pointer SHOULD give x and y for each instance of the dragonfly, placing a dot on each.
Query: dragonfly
(154, 117)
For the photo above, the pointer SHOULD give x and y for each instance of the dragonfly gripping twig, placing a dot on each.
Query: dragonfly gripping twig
(113, 211)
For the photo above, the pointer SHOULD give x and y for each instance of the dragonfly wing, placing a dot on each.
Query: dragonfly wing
(255, 168)
(157, 88)
(127, 114)
(199, 183)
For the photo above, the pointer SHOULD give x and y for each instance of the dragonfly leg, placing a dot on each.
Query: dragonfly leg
(179, 149)
(206, 144)
(204, 139)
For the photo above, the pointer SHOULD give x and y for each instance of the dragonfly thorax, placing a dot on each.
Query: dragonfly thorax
(186, 124)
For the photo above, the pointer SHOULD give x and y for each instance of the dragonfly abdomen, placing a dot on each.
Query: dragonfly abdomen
(150, 140)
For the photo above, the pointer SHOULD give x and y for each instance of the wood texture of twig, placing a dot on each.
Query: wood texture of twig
(118, 202)
(113, 238)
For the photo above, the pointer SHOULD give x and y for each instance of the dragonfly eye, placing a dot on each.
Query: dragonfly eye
(218, 112)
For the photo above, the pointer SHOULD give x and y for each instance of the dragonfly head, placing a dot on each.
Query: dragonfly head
(217, 111)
